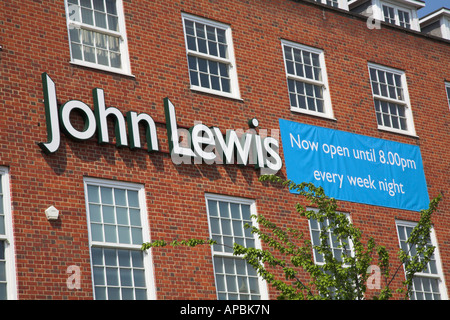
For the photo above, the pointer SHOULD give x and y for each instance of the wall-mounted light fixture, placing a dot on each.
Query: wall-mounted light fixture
(253, 123)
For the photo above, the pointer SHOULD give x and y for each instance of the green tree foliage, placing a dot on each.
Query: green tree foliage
(342, 276)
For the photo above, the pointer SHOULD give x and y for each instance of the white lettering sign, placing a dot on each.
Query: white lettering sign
(205, 144)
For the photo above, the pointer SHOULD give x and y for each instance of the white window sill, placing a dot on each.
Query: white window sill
(100, 67)
(216, 93)
(313, 113)
(398, 131)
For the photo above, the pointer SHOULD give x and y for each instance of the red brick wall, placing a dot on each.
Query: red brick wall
(34, 38)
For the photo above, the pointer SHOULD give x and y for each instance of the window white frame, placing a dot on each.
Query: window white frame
(7, 236)
(315, 228)
(322, 82)
(147, 258)
(121, 35)
(342, 4)
(405, 102)
(445, 27)
(228, 60)
(427, 274)
(377, 10)
(447, 89)
(219, 251)
(442, 16)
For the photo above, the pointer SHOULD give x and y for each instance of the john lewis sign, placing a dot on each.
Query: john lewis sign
(206, 144)
(354, 167)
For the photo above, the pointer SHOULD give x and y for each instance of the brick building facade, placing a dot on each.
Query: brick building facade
(217, 63)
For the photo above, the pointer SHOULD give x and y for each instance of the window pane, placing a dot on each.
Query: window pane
(87, 16)
(202, 65)
(309, 72)
(111, 6)
(135, 217)
(221, 36)
(200, 30)
(136, 236)
(290, 67)
(108, 214)
(3, 245)
(201, 43)
(102, 57)
(389, 14)
(126, 277)
(99, 5)
(235, 279)
(223, 68)
(424, 288)
(213, 67)
(93, 194)
(110, 257)
(246, 214)
(404, 19)
(139, 278)
(120, 197)
(118, 272)
(96, 232)
(223, 208)
(212, 48)
(304, 64)
(226, 227)
(115, 60)
(124, 235)
(95, 213)
(97, 256)
(113, 223)
(133, 200)
(95, 13)
(235, 211)
(317, 74)
(2, 224)
(336, 245)
(2, 262)
(113, 44)
(100, 19)
(215, 226)
(122, 216)
(113, 23)
(85, 3)
(389, 85)
(75, 35)
(189, 27)
(110, 233)
(448, 94)
(204, 80)
(192, 45)
(89, 54)
(225, 84)
(212, 208)
(137, 259)
(106, 195)
(124, 258)
(210, 41)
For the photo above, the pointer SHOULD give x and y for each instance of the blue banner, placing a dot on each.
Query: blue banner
(355, 168)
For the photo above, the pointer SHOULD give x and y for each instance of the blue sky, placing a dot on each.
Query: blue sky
(433, 5)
